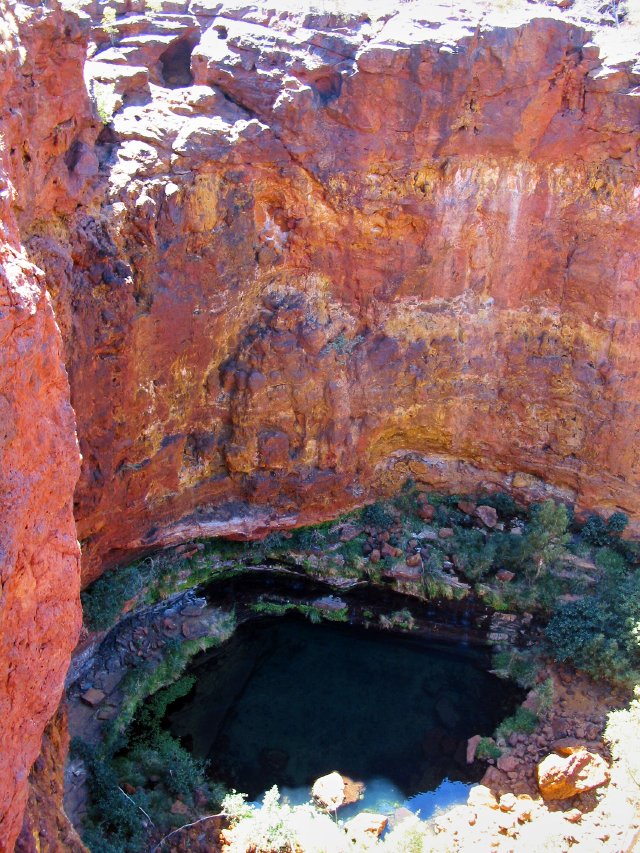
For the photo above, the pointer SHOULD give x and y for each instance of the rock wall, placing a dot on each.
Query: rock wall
(46, 828)
(299, 257)
(336, 252)
(43, 102)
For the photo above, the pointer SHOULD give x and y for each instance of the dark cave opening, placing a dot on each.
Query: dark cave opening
(175, 64)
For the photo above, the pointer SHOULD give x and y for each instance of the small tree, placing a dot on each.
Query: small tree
(547, 535)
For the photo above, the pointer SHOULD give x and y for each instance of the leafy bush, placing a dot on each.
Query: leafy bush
(597, 531)
(308, 538)
(102, 602)
(503, 503)
(601, 634)
(617, 522)
(113, 823)
(546, 537)
(519, 666)
(402, 619)
(610, 561)
(488, 748)
(406, 501)
(545, 693)
(312, 613)
(377, 515)
(523, 721)
(278, 827)
(474, 556)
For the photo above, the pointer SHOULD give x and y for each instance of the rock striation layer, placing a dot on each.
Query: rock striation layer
(337, 251)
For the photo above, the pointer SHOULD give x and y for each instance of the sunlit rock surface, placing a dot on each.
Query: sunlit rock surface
(43, 110)
(354, 249)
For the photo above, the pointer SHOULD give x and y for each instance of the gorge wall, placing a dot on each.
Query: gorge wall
(41, 58)
(294, 258)
(332, 252)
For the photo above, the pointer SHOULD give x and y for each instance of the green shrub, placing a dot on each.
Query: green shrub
(312, 613)
(276, 826)
(617, 522)
(610, 561)
(307, 538)
(545, 693)
(488, 748)
(377, 515)
(545, 540)
(474, 556)
(522, 722)
(597, 531)
(113, 823)
(503, 503)
(406, 501)
(519, 666)
(451, 501)
(352, 553)
(402, 619)
(102, 602)
(600, 634)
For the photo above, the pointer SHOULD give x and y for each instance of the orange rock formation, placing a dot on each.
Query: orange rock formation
(306, 258)
(346, 256)
(42, 94)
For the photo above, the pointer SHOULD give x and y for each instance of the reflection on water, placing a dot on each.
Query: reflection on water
(383, 797)
(286, 701)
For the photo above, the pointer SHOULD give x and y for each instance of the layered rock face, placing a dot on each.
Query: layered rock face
(43, 101)
(307, 256)
(336, 252)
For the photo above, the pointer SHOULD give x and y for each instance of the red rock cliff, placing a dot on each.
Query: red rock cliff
(43, 103)
(307, 256)
(334, 253)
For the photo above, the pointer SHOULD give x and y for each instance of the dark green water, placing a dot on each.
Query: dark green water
(286, 701)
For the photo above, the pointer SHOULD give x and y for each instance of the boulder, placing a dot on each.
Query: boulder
(507, 763)
(426, 512)
(487, 515)
(404, 572)
(561, 777)
(390, 551)
(93, 697)
(508, 802)
(505, 575)
(365, 828)
(193, 629)
(330, 604)
(349, 532)
(334, 790)
(328, 791)
(472, 746)
(481, 797)
(353, 791)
